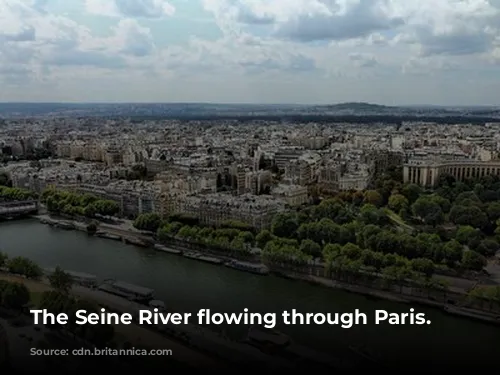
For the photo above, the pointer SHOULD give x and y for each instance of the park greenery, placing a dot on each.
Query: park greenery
(397, 230)
(73, 204)
(9, 194)
(21, 266)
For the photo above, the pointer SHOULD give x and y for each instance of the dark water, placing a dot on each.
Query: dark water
(189, 285)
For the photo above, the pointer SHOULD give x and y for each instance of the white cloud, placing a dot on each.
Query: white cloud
(314, 49)
(130, 8)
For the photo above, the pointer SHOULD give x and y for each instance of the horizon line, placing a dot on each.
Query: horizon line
(246, 103)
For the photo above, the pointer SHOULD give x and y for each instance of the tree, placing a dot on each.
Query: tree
(3, 259)
(24, 266)
(149, 222)
(373, 197)
(474, 261)
(423, 265)
(15, 296)
(453, 252)
(468, 215)
(428, 210)
(284, 225)
(488, 247)
(398, 202)
(466, 234)
(311, 248)
(412, 192)
(61, 280)
(493, 211)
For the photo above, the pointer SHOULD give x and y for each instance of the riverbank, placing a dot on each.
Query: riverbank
(134, 333)
(449, 304)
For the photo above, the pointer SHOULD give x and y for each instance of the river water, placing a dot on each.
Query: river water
(188, 285)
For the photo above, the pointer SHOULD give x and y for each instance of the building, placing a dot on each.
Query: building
(427, 173)
(293, 195)
(215, 209)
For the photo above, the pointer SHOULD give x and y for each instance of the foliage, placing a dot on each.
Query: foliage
(61, 281)
(15, 194)
(25, 267)
(13, 295)
(74, 204)
(149, 222)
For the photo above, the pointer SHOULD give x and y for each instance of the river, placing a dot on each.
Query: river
(188, 285)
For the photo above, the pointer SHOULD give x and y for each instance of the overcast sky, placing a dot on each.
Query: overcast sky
(391, 52)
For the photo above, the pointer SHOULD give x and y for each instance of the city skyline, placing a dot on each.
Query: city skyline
(248, 51)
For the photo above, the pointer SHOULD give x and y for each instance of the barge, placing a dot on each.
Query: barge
(129, 291)
(278, 344)
(258, 269)
(167, 249)
(204, 258)
(108, 236)
(136, 242)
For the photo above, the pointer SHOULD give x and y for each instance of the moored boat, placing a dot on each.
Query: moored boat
(129, 291)
(204, 258)
(258, 269)
(166, 249)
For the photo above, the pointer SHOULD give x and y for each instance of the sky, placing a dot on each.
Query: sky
(393, 52)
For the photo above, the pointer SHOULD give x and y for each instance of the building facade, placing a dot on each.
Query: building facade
(427, 174)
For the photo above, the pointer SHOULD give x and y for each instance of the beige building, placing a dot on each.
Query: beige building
(427, 174)
(293, 195)
(215, 209)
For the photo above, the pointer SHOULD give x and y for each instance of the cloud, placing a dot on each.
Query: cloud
(130, 8)
(134, 39)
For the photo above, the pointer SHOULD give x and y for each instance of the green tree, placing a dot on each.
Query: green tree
(398, 202)
(453, 251)
(61, 281)
(311, 248)
(3, 259)
(488, 247)
(412, 192)
(423, 265)
(148, 222)
(284, 225)
(15, 296)
(428, 210)
(474, 261)
(373, 197)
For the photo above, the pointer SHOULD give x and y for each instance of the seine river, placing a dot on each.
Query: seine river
(188, 285)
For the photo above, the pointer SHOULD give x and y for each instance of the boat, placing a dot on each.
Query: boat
(108, 236)
(65, 225)
(267, 337)
(136, 242)
(167, 249)
(156, 304)
(129, 291)
(258, 269)
(204, 258)
(278, 344)
(367, 355)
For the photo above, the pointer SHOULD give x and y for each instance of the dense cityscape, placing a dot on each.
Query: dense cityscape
(401, 211)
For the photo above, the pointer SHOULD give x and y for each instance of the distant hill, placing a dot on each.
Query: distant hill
(358, 106)
(237, 111)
